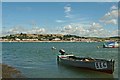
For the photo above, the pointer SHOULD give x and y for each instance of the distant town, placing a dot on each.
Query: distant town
(53, 38)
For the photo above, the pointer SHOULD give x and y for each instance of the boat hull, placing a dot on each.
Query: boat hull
(111, 45)
(107, 46)
(97, 65)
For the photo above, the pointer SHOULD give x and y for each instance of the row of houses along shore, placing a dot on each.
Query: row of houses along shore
(52, 37)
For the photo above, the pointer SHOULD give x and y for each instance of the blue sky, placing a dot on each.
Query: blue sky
(79, 18)
(60, 0)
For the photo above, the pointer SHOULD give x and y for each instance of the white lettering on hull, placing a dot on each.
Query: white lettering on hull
(100, 65)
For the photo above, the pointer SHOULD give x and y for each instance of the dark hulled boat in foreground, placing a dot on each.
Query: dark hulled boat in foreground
(87, 63)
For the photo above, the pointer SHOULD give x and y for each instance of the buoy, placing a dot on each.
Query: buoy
(53, 48)
(98, 47)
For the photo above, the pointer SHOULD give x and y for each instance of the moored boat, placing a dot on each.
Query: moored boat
(87, 63)
(111, 45)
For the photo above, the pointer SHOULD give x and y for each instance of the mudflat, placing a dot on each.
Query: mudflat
(9, 72)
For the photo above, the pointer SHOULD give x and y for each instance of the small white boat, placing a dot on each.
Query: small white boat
(111, 45)
(53, 48)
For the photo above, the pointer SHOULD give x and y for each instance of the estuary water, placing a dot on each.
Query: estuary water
(38, 60)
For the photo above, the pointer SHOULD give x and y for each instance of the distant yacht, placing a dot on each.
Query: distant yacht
(111, 45)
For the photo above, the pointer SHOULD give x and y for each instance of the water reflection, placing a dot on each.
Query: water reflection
(83, 73)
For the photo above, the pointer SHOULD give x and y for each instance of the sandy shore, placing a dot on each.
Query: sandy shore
(9, 72)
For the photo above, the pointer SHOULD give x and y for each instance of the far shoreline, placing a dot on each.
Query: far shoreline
(53, 41)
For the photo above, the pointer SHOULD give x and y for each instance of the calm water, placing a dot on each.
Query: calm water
(38, 60)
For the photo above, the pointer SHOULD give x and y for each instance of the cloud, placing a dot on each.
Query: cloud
(60, 21)
(110, 17)
(75, 29)
(21, 29)
(115, 33)
(68, 27)
(114, 7)
(111, 14)
(36, 30)
(15, 30)
(112, 21)
(67, 10)
(94, 30)
(97, 30)
(68, 15)
(114, 13)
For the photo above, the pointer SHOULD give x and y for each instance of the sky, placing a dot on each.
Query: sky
(91, 19)
(60, 0)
